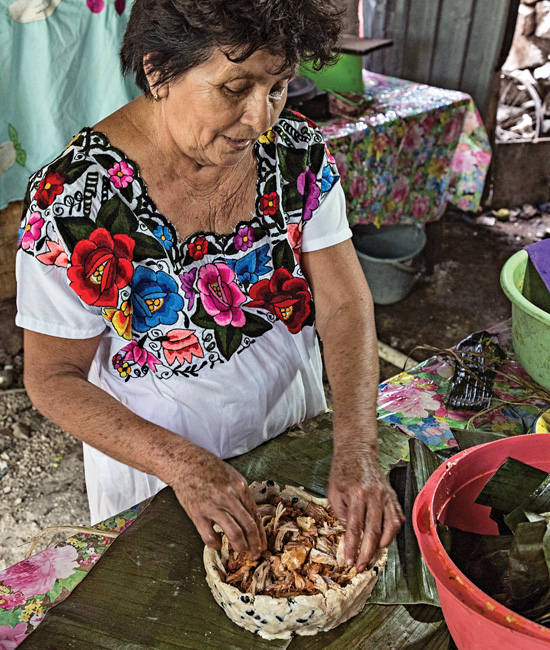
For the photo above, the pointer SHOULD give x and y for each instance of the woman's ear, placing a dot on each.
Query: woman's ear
(159, 91)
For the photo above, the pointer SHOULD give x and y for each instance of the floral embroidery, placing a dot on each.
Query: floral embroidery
(50, 186)
(163, 234)
(187, 282)
(284, 296)
(295, 239)
(268, 137)
(220, 295)
(100, 267)
(307, 186)
(269, 203)
(180, 307)
(121, 319)
(198, 248)
(31, 230)
(252, 265)
(328, 179)
(56, 255)
(140, 356)
(155, 299)
(121, 174)
(244, 238)
(122, 367)
(181, 345)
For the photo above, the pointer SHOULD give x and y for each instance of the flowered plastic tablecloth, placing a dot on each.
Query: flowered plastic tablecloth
(414, 401)
(416, 148)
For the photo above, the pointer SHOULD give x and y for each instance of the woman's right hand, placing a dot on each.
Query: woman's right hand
(213, 492)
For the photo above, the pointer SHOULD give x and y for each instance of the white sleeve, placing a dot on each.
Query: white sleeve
(328, 225)
(46, 303)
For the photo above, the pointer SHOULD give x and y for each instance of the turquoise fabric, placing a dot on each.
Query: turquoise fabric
(59, 71)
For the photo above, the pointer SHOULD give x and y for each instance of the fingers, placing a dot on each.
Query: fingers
(374, 519)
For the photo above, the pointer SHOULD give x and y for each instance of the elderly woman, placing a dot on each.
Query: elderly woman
(176, 262)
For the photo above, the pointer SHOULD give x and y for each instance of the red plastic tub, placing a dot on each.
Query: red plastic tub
(474, 619)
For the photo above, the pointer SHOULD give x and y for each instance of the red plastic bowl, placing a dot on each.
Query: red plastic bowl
(474, 619)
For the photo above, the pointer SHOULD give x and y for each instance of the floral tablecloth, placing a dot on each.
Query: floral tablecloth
(414, 401)
(416, 148)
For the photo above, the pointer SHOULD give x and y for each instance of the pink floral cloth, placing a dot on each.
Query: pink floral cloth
(416, 148)
(31, 587)
(415, 401)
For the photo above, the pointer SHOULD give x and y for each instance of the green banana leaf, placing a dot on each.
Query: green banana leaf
(148, 591)
(510, 485)
(406, 578)
(467, 438)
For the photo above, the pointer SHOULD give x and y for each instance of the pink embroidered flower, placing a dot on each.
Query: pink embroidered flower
(38, 574)
(31, 230)
(244, 237)
(295, 239)
(182, 345)
(220, 294)
(330, 157)
(95, 6)
(138, 354)
(420, 206)
(400, 191)
(11, 637)
(121, 174)
(11, 601)
(56, 255)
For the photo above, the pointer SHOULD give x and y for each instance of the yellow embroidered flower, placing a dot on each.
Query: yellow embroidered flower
(267, 137)
(4, 590)
(120, 523)
(121, 319)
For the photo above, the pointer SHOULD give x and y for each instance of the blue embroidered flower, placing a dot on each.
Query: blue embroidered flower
(163, 234)
(155, 299)
(252, 265)
(328, 179)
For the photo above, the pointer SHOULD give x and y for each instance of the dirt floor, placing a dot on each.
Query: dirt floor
(41, 475)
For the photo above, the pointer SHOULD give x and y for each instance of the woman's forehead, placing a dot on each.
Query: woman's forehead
(259, 65)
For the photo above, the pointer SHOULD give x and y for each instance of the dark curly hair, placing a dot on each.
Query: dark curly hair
(180, 34)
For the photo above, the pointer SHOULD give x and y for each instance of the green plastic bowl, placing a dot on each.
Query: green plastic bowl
(530, 316)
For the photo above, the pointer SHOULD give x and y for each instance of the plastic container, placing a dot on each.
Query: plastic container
(386, 256)
(530, 316)
(474, 619)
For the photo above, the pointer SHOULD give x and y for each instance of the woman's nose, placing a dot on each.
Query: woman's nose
(257, 112)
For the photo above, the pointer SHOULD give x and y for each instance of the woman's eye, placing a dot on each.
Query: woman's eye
(234, 91)
(277, 93)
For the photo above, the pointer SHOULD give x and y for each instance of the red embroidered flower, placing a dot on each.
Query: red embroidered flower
(198, 248)
(284, 296)
(50, 186)
(101, 266)
(269, 203)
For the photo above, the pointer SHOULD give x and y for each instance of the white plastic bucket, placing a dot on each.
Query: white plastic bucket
(386, 256)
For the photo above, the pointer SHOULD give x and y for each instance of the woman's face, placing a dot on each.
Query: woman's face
(217, 110)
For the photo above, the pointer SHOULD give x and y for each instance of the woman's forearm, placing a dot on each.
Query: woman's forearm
(351, 360)
(97, 418)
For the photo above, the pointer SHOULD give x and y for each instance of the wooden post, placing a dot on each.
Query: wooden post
(10, 218)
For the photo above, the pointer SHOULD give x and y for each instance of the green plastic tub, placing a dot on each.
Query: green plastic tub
(530, 315)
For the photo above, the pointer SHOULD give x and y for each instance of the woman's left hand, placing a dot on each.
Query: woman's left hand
(364, 502)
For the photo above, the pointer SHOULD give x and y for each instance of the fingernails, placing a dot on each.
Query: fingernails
(349, 561)
(361, 567)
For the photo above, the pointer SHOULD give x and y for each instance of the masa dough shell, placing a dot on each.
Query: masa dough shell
(281, 618)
